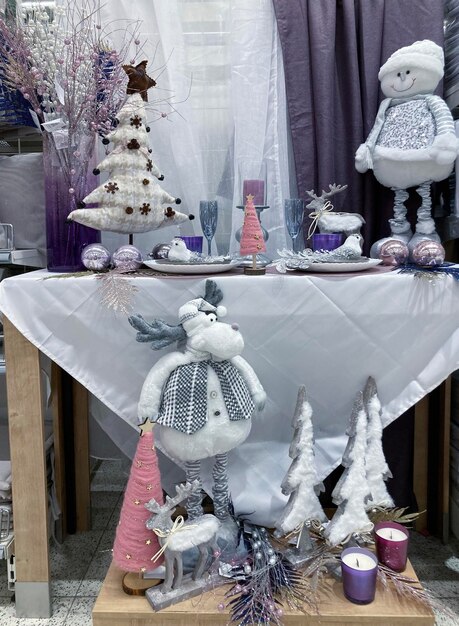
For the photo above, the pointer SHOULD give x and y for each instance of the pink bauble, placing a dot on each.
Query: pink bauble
(393, 252)
(127, 257)
(428, 252)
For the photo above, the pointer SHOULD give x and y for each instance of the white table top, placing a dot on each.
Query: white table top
(329, 332)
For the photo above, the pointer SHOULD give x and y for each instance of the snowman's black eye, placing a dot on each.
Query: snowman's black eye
(407, 71)
(398, 74)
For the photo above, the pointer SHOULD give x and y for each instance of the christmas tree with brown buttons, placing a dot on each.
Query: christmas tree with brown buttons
(252, 241)
(135, 545)
(131, 200)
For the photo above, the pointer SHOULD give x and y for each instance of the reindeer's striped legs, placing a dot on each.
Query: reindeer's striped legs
(193, 472)
(220, 489)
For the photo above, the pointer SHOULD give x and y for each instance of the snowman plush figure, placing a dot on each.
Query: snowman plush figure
(412, 142)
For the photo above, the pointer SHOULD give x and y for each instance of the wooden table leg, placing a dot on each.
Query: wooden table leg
(81, 456)
(28, 464)
(421, 460)
(444, 418)
(59, 449)
(431, 461)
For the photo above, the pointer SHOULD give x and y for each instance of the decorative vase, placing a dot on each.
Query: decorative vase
(68, 179)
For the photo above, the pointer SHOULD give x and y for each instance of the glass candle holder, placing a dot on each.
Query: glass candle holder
(193, 243)
(326, 241)
(392, 545)
(359, 568)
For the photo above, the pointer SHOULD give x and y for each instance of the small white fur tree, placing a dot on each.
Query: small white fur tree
(352, 493)
(301, 482)
(377, 469)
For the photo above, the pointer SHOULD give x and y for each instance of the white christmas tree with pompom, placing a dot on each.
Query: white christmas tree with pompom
(376, 465)
(352, 492)
(131, 200)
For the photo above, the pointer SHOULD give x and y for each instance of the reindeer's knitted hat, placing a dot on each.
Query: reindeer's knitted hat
(190, 313)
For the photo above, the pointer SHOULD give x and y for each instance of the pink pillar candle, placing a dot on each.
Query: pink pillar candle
(392, 545)
(256, 188)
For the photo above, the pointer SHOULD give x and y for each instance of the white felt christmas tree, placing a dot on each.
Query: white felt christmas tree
(301, 482)
(352, 493)
(131, 200)
(377, 469)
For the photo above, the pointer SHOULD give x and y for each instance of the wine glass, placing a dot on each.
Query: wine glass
(208, 214)
(294, 215)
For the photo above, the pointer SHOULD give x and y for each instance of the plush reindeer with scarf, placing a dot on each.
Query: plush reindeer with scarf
(202, 398)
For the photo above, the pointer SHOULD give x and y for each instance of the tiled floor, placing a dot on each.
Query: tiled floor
(79, 565)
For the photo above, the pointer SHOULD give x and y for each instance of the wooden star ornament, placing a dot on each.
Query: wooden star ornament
(139, 81)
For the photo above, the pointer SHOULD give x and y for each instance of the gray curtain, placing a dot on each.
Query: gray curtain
(333, 50)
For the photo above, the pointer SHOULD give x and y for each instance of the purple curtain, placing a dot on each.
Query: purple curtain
(333, 50)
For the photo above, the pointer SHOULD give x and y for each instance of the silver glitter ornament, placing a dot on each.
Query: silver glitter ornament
(393, 252)
(95, 257)
(160, 251)
(428, 253)
(127, 257)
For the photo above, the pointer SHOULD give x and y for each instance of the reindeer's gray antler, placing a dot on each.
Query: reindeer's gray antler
(214, 294)
(183, 492)
(158, 332)
(153, 506)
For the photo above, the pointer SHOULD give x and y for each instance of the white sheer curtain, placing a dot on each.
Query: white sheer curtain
(219, 62)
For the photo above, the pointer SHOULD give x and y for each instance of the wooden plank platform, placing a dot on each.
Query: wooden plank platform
(114, 608)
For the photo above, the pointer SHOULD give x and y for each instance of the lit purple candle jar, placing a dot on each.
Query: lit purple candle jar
(392, 545)
(326, 241)
(359, 568)
(256, 188)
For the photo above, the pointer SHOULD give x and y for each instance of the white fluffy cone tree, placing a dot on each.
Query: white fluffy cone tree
(301, 482)
(377, 469)
(352, 493)
(131, 200)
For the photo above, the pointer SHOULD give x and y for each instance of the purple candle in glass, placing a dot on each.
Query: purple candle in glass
(256, 188)
(392, 545)
(359, 568)
(326, 241)
(193, 243)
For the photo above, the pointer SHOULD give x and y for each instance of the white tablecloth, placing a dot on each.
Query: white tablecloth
(329, 332)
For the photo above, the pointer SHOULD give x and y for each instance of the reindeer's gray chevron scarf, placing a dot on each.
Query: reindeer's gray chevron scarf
(184, 400)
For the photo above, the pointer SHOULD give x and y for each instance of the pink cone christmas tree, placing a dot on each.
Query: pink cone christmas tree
(252, 241)
(135, 545)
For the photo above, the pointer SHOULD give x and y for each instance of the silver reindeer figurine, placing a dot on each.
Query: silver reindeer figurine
(176, 537)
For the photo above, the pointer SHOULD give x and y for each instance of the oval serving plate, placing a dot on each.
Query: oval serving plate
(190, 268)
(358, 266)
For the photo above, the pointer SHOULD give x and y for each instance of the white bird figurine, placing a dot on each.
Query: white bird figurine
(178, 251)
(349, 251)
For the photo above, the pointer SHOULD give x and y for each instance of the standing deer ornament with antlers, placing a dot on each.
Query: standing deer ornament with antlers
(177, 537)
(330, 221)
(202, 398)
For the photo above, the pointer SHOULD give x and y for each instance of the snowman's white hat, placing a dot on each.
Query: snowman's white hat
(421, 54)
